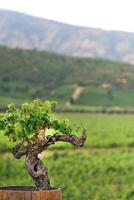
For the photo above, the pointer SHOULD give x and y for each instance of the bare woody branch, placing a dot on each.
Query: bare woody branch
(19, 151)
(77, 141)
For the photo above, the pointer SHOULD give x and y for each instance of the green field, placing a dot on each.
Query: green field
(93, 96)
(103, 170)
(97, 176)
(106, 130)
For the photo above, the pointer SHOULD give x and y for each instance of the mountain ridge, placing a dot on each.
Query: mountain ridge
(28, 32)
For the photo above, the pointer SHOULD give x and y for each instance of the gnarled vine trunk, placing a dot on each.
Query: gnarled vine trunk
(37, 171)
(34, 165)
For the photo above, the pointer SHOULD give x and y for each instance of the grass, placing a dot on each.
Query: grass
(97, 176)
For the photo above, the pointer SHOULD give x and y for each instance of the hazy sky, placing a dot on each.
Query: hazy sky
(107, 14)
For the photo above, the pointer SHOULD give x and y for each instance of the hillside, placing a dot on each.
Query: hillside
(27, 32)
(27, 74)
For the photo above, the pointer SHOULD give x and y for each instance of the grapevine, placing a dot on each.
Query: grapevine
(27, 127)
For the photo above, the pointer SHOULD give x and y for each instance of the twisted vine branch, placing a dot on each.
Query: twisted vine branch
(77, 141)
(18, 151)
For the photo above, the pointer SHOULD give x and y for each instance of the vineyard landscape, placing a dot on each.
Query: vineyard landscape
(103, 168)
(93, 93)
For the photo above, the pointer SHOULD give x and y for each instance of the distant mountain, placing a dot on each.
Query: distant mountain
(27, 32)
(28, 74)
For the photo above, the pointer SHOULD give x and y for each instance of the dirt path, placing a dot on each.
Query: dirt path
(77, 92)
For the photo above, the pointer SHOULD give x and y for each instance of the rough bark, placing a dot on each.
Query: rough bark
(77, 141)
(18, 152)
(37, 171)
(35, 167)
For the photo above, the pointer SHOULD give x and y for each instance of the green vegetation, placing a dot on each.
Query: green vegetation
(104, 171)
(23, 124)
(105, 168)
(97, 176)
(106, 130)
(94, 96)
(103, 131)
(27, 74)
